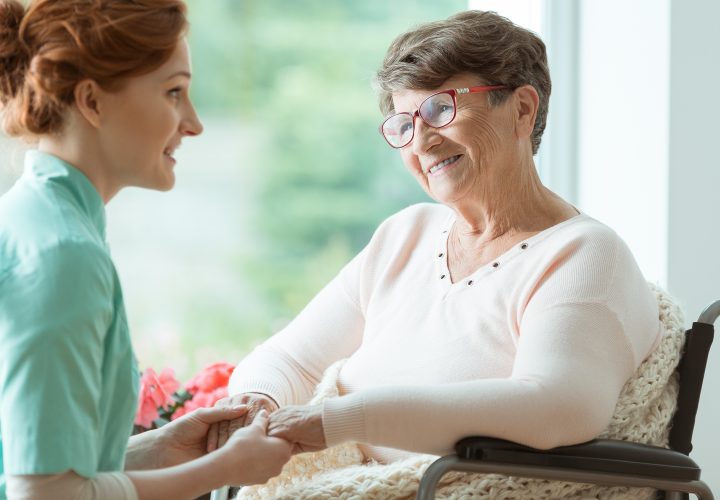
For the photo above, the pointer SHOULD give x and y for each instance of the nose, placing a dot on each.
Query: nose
(191, 125)
(425, 136)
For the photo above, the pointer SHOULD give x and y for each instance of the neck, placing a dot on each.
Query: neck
(513, 202)
(82, 152)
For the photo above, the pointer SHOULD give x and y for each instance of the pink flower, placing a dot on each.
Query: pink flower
(207, 387)
(155, 392)
(201, 400)
(210, 378)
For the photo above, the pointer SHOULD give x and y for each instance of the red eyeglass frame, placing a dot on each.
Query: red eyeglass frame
(453, 93)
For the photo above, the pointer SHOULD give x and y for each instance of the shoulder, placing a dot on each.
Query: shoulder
(416, 218)
(62, 296)
(40, 228)
(586, 262)
(583, 242)
(69, 273)
(583, 259)
(581, 231)
(399, 236)
(410, 228)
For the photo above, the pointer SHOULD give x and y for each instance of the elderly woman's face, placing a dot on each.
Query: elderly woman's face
(458, 160)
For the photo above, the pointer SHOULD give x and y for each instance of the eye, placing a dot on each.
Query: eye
(175, 93)
(440, 108)
(406, 127)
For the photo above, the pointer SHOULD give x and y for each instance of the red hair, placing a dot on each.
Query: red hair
(54, 44)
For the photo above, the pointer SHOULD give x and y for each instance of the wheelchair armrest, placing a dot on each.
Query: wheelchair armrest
(606, 455)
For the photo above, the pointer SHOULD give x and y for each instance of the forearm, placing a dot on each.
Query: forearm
(70, 486)
(289, 365)
(431, 419)
(144, 452)
(274, 373)
(570, 367)
(189, 480)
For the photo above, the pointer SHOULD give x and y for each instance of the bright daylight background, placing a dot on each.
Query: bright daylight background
(291, 177)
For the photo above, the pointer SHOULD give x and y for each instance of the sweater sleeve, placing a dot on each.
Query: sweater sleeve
(290, 364)
(554, 396)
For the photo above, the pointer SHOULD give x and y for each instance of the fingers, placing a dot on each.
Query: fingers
(255, 406)
(214, 416)
(223, 433)
(300, 425)
(223, 428)
(212, 438)
(259, 402)
(237, 424)
(283, 422)
(261, 420)
(219, 413)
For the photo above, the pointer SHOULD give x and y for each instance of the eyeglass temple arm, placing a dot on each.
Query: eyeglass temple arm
(482, 88)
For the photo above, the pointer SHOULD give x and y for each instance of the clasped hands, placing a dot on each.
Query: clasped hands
(299, 425)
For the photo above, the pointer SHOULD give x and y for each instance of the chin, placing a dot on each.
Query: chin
(164, 183)
(167, 185)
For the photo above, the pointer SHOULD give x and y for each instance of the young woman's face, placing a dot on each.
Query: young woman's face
(145, 122)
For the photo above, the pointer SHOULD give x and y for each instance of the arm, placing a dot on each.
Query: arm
(178, 442)
(286, 368)
(291, 363)
(249, 457)
(142, 452)
(52, 331)
(571, 364)
(69, 485)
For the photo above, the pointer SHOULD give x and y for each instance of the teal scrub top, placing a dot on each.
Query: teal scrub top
(68, 375)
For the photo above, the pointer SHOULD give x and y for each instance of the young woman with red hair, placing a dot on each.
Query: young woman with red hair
(101, 88)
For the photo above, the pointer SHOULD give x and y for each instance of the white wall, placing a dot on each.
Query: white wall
(694, 187)
(623, 136)
(647, 159)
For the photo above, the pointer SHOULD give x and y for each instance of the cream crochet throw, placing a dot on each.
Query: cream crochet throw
(643, 415)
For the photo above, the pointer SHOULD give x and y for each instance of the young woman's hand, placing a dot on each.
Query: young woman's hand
(185, 439)
(220, 432)
(250, 456)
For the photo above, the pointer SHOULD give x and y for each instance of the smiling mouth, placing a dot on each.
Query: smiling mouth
(439, 166)
(169, 152)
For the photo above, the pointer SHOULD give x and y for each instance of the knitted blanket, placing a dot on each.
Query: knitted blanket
(643, 414)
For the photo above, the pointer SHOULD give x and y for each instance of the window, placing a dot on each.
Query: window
(287, 183)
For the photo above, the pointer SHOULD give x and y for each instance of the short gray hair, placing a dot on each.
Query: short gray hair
(482, 43)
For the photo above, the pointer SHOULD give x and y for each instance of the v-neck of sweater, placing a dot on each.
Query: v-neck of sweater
(441, 254)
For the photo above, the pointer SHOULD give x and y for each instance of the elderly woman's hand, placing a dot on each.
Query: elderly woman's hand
(301, 425)
(219, 433)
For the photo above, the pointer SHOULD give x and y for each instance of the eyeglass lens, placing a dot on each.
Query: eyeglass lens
(437, 111)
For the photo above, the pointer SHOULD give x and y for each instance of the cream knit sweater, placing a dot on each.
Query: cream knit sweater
(534, 348)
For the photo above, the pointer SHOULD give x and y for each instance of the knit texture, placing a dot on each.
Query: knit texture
(643, 415)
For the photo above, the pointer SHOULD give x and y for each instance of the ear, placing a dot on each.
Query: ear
(88, 99)
(527, 102)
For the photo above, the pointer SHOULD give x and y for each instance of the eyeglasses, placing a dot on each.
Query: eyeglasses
(438, 111)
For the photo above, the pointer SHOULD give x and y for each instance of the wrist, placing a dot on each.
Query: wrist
(143, 451)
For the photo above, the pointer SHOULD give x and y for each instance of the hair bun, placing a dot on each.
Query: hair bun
(14, 56)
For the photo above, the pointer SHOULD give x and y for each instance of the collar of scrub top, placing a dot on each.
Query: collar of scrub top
(51, 168)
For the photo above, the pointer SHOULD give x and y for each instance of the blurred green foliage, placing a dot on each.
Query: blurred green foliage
(301, 73)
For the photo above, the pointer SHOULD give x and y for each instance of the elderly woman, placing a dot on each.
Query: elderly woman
(501, 310)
